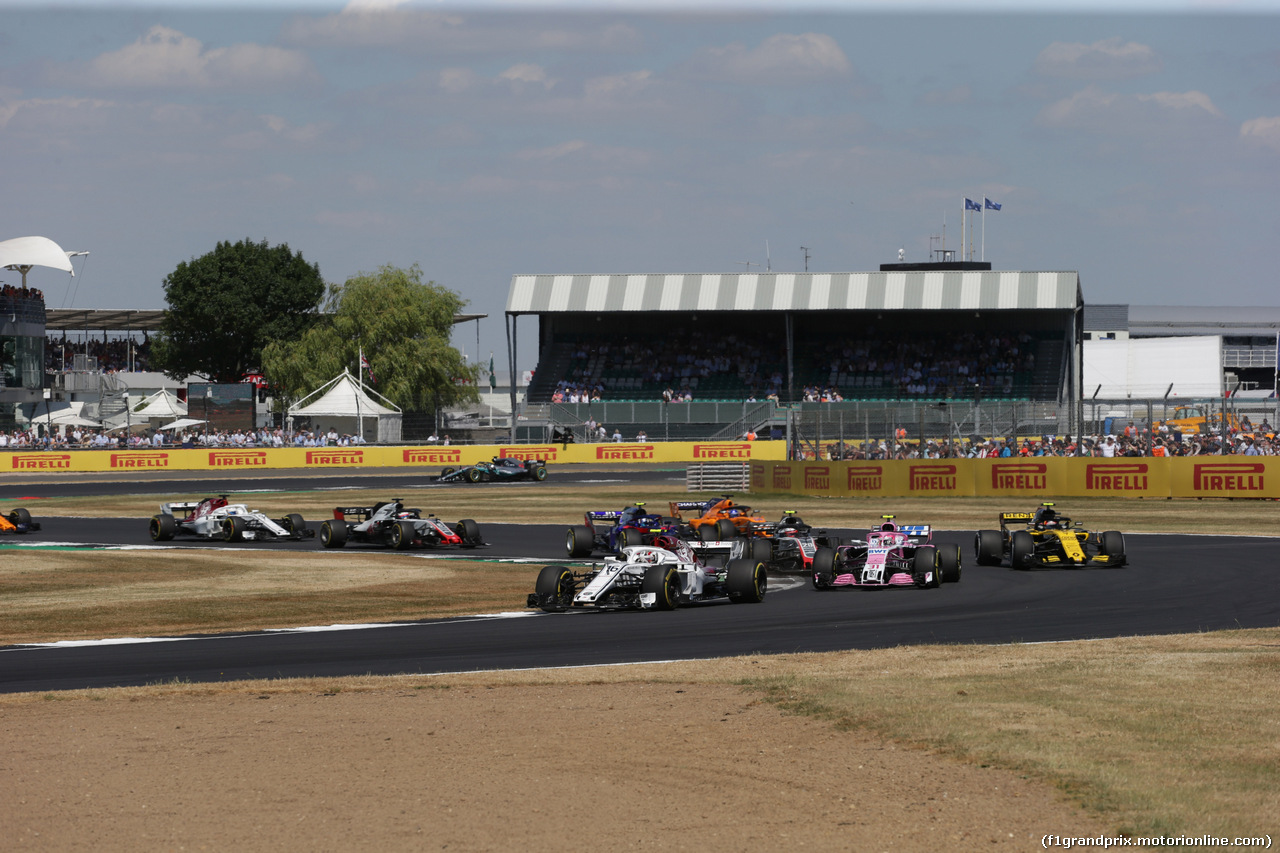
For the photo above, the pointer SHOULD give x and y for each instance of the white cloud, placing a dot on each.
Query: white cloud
(1109, 59)
(1109, 112)
(617, 86)
(783, 58)
(165, 58)
(527, 74)
(1263, 131)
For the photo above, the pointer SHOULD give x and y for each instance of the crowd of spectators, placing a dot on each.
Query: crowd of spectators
(9, 293)
(90, 438)
(111, 356)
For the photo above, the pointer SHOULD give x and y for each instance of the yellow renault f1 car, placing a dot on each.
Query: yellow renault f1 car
(1048, 540)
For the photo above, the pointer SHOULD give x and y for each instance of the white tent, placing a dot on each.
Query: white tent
(23, 253)
(345, 404)
(181, 423)
(162, 405)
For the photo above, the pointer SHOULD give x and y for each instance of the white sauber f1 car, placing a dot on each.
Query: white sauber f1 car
(391, 524)
(215, 518)
(661, 576)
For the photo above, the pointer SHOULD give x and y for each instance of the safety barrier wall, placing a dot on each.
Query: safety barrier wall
(1180, 477)
(427, 456)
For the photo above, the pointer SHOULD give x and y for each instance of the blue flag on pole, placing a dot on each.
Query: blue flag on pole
(970, 204)
(990, 205)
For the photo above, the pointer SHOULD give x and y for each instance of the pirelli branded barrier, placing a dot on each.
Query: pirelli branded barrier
(1196, 477)
(429, 456)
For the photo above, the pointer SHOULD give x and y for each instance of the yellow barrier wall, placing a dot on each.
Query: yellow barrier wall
(1204, 477)
(428, 456)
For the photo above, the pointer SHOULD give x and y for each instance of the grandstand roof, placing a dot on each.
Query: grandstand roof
(1172, 320)
(859, 291)
(1106, 318)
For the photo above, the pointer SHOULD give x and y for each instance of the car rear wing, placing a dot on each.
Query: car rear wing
(917, 533)
(1016, 516)
(678, 507)
(182, 506)
(362, 513)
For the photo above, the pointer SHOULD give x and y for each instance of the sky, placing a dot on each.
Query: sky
(1139, 147)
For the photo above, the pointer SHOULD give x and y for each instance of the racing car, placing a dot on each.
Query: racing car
(717, 519)
(216, 518)
(661, 576)
(502, 469)
(391, 524)
(891, 556)
(788, 545)
(1047, 540)
(612, 530)
(18, 520)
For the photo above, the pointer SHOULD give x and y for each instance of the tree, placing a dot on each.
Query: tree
(403, 327)
(224, 307)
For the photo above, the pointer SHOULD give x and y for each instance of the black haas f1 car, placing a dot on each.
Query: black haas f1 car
(502, 469)
(788, 545)
(216, 518)
(1047, 540)
(892, 556)
(612, 530)
(390, 524)
(18, 520)
(661, 576)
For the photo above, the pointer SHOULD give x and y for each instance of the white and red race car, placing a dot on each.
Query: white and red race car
(891, 556)
(391, 524)
(216, 518)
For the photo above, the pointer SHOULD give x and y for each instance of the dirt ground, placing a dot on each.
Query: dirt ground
(417, 765)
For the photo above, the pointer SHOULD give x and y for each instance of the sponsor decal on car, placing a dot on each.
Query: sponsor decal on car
(817, 477)
(529, 453)
(432, 456)
(624, 451)
(1020, 476)
(722, 451)
(41, 461)
(236, 458)
(335, 457)
(1116, 477)
(782, 476)
(932, 478)
(866, 478)
(139, 460)
(1228, 477)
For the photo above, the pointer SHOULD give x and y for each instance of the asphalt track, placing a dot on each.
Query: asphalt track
(1174, 584)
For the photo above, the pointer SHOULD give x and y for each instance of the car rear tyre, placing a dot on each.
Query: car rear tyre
(746, 581)
(400, 535)
(760, 550)
(163, 528)
(233, 529)
(664, 583)
(1021, 549)
(707, 533)
(824, 568)
(555, 589)
(539, 473)
(925, 568)
(629, 537)
(725, 529)
(333, 534)
(579, 542)
(949, 563)
(988, 547)
(1113, 546)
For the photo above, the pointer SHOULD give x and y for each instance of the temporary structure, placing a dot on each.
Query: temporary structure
(161, 405)
(345, 402)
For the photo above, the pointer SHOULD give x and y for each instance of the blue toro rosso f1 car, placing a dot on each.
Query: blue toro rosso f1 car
(502, 469)
(612, 530)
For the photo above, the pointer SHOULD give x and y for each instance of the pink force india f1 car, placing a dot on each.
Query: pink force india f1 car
(891, 556)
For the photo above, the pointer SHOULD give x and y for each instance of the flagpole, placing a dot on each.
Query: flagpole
(964, 214)
(984, 229)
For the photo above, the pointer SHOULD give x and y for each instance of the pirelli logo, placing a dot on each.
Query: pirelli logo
(758, 470)
(817, 477)
(237, 458)
(335, 457)
(782, 476)
(1020, 476)
(1116, 477)
(722, 451)
(1228, 477)
(932, 478)
(432, 456)
(865, 478)
(628, 452)
(529, 452)
(139, 460)
(41, 461)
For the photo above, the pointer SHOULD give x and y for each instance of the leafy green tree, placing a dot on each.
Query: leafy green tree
(402, 325)
(224, 307)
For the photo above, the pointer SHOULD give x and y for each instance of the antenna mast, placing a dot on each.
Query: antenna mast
(805, 249)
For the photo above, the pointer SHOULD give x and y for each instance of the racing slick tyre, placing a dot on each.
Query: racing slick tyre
(447, 471)
(664, 583)
(579, 542)
(629, 537)
(473, 476)
(469, 531)
(19, 517)
(988, 547)
(555, 589)
(760, 550)
(163, 527)
(746, 581)
(707, 533)
(294, 523)
(925, 568)
(1021, 549)
(333, 533)
(400, 535)
(824, 568)
(1113, 546)
(540, 473)
(949, 563)
(725, 530)
(233, 529)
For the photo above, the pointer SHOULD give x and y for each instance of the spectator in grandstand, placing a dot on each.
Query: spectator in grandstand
(642, 436)
(617, 434)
